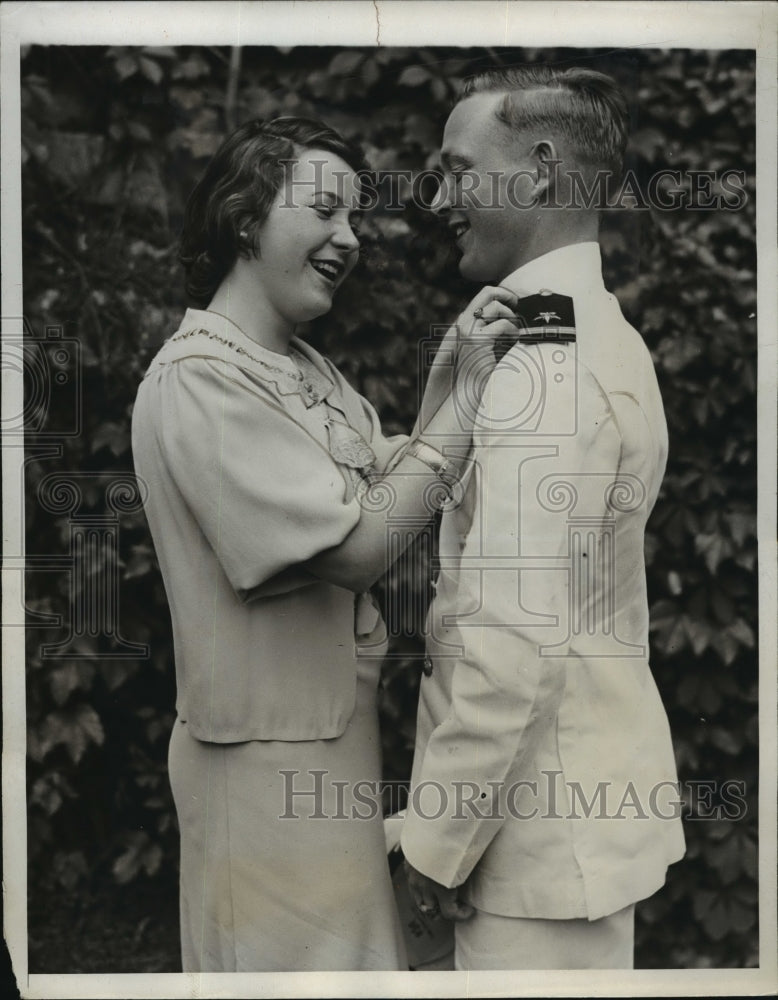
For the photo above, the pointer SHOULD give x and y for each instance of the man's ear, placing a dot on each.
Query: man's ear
(544, 155)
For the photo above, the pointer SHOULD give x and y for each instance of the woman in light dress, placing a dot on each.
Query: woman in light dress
(267, 480)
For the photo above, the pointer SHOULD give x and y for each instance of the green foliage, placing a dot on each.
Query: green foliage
(113, 141)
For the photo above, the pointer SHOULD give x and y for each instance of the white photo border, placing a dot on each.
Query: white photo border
(701, 25)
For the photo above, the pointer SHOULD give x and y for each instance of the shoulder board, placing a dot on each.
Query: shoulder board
(546, 317)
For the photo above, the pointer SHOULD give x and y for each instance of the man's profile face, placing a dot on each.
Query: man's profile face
(488, 177)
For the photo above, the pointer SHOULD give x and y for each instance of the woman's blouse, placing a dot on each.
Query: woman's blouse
(251, 463)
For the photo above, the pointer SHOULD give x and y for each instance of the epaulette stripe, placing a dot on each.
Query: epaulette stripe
(555, 310)
(561, 333)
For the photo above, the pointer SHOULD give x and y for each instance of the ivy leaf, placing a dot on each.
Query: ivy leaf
(150, 69)
(702, 903)
(741, 918)
(743, 633)
(141, 562)
(140, 855)
(125, 66)
(68, 678)
(439, 89)
(647, 141)
(414, 76)
(741, 526)
(712, 547)
(46, 795)
(191, 68)
(725, 646)
(161, 51)
(145, 190)
(112, 435)
(698, 633)
(725, 858)
(69, 868)
(716, 921)
(71, 157)
(370, 73)
(139, 131)
(725, 740)
(346, 62)
(116, 672)
(73, 728)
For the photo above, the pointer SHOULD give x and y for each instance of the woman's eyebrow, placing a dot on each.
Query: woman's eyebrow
(325, 193)
(337, 201)
(335, 196)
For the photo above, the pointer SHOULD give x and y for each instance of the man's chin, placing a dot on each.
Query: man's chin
(474, 270)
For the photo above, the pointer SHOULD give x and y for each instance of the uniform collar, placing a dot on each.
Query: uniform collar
(572, 270)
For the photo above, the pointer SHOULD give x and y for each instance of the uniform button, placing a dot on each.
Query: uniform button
(427, 666)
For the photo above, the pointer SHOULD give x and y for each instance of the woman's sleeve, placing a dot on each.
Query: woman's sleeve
(264, 492)
(388, 450)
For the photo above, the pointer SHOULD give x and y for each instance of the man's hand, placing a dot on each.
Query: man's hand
(434, 899)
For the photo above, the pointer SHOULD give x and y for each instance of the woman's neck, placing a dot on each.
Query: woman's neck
(245, 305)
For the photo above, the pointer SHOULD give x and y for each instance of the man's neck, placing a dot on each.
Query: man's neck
(562, 235)
(569, 270)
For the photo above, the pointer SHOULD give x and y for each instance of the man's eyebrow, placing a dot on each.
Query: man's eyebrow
(449, 160)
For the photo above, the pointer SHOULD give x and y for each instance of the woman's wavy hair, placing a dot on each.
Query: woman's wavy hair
(232, 199)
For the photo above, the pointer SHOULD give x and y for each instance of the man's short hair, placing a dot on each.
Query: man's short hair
(583, 106)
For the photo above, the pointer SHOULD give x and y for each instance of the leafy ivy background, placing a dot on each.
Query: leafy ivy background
(113, 141)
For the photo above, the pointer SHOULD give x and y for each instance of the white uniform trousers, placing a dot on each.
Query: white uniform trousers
(489, 941)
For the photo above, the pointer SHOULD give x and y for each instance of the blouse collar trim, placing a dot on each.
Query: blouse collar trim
(208, 334)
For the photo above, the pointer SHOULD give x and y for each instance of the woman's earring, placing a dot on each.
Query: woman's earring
(243, 234)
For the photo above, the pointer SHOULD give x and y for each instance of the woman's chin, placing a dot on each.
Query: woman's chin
(314, 310)
(315, 301)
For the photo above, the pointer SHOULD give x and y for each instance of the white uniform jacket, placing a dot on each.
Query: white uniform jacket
(544, 775)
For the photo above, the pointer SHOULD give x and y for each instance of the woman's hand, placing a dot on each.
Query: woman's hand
(489, 315)
(488, 318)
(465, 356)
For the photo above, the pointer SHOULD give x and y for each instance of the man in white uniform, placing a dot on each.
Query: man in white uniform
(544, 798)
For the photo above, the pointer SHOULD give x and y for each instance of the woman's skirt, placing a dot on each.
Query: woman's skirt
(283, 856)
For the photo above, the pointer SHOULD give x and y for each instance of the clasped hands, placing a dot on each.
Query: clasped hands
(433, 899)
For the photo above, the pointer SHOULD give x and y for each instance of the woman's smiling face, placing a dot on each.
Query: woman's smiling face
(308, 243)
